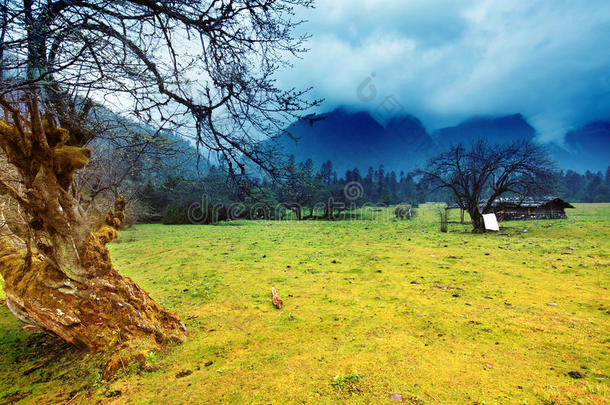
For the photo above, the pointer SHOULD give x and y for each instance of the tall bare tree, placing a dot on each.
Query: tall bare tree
(204, 68)
(481, 172)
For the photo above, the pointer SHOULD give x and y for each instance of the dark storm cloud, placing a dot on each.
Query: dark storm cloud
(447, 60)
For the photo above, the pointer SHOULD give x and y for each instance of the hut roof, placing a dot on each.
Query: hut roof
(523, 203)
(531, 203)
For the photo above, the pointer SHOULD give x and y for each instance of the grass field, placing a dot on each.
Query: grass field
(372, 309)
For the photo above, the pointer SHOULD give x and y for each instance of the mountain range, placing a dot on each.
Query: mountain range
(355, 139)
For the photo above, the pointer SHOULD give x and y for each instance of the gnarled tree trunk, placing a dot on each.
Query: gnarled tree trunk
(478, 224)
(59, 276)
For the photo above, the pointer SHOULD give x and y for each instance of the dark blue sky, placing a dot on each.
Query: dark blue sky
(445, 60)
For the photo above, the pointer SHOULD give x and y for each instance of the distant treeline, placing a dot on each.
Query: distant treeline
(309, 192)
(304, 190)
(588, 187)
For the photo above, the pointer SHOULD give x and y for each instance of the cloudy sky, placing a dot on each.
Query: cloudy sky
(445, 60)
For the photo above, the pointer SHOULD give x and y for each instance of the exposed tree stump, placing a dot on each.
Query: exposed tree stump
(277, 301)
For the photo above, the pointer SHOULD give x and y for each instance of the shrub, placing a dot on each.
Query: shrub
(347, 382)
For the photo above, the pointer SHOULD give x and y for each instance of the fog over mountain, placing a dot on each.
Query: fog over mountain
(446, 61)
(356, 139)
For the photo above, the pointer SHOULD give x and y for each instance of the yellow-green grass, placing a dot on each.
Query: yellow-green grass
(478, 328)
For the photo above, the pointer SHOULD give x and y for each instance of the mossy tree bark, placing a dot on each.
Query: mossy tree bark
(59, 276)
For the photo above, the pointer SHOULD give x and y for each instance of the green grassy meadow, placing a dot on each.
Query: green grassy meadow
(372, 308)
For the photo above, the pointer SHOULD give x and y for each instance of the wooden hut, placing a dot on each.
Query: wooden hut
(515, 209)
(511, 209)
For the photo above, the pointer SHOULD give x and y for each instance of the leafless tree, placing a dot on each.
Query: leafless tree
(481, 172)
(200, 68)
(210, 61)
